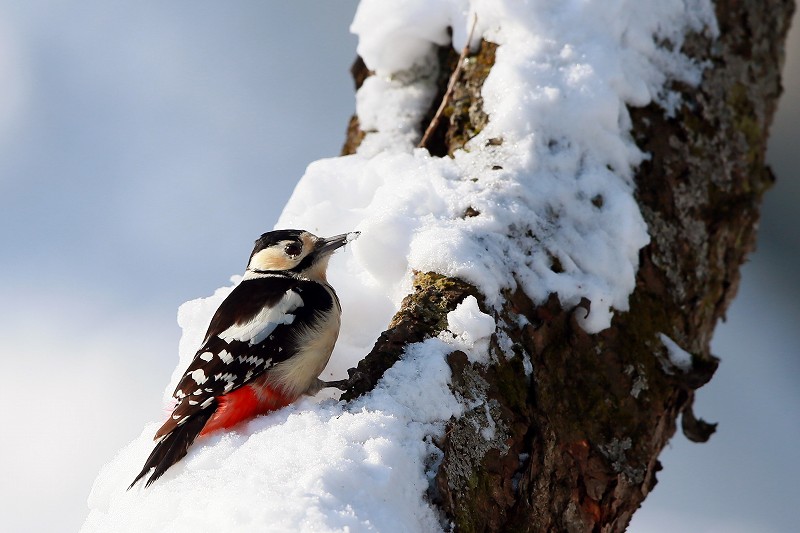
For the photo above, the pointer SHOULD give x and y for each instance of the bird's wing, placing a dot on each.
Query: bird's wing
(247, 335)
(251, 304)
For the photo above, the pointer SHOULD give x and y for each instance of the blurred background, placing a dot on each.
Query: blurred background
(143, 147)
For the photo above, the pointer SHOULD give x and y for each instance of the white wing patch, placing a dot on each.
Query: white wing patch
(265, 321)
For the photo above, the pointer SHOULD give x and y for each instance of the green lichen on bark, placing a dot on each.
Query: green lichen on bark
(422, 314)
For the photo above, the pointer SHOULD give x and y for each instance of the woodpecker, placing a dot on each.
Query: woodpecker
(266, 345)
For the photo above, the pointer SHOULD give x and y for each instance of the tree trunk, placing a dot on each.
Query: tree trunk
(576, 443)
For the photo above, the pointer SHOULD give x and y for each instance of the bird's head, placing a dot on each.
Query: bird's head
(296, 251)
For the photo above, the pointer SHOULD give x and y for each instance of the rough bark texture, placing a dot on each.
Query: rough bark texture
(576, 444)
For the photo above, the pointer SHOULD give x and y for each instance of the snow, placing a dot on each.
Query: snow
(470, 329)
(559, 216)
(679, 357)
(556, 214)
(469, 322)
(311, 466)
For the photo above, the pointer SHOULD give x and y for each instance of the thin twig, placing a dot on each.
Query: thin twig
(450, 85)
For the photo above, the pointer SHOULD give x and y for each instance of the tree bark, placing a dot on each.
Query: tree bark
(576, 443)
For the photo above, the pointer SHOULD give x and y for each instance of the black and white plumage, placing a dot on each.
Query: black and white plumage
(266, 344)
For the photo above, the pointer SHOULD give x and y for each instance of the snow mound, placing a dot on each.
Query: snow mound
(470, 330)
(308, 467)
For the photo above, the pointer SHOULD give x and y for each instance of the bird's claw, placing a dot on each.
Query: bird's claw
(342, 384)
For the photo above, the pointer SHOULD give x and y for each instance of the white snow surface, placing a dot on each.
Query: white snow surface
(472, 327)
(556, 215)
(679, 357)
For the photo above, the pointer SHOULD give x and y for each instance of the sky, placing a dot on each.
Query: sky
(145, 145)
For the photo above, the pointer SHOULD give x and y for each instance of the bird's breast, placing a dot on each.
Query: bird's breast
(313, 346)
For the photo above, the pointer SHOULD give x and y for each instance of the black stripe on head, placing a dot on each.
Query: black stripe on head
(323, 247)
(306, 262)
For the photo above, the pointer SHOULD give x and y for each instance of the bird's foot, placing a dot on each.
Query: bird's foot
(341, 384)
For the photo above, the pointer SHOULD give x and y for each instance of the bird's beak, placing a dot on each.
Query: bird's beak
(326, 246)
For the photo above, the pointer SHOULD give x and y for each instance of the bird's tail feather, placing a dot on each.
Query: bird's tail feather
(173, 447)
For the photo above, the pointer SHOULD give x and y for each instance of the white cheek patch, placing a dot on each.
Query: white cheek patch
(273, 258)
(265, 322)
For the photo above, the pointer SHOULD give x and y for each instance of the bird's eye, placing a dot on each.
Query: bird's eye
(293, 249)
